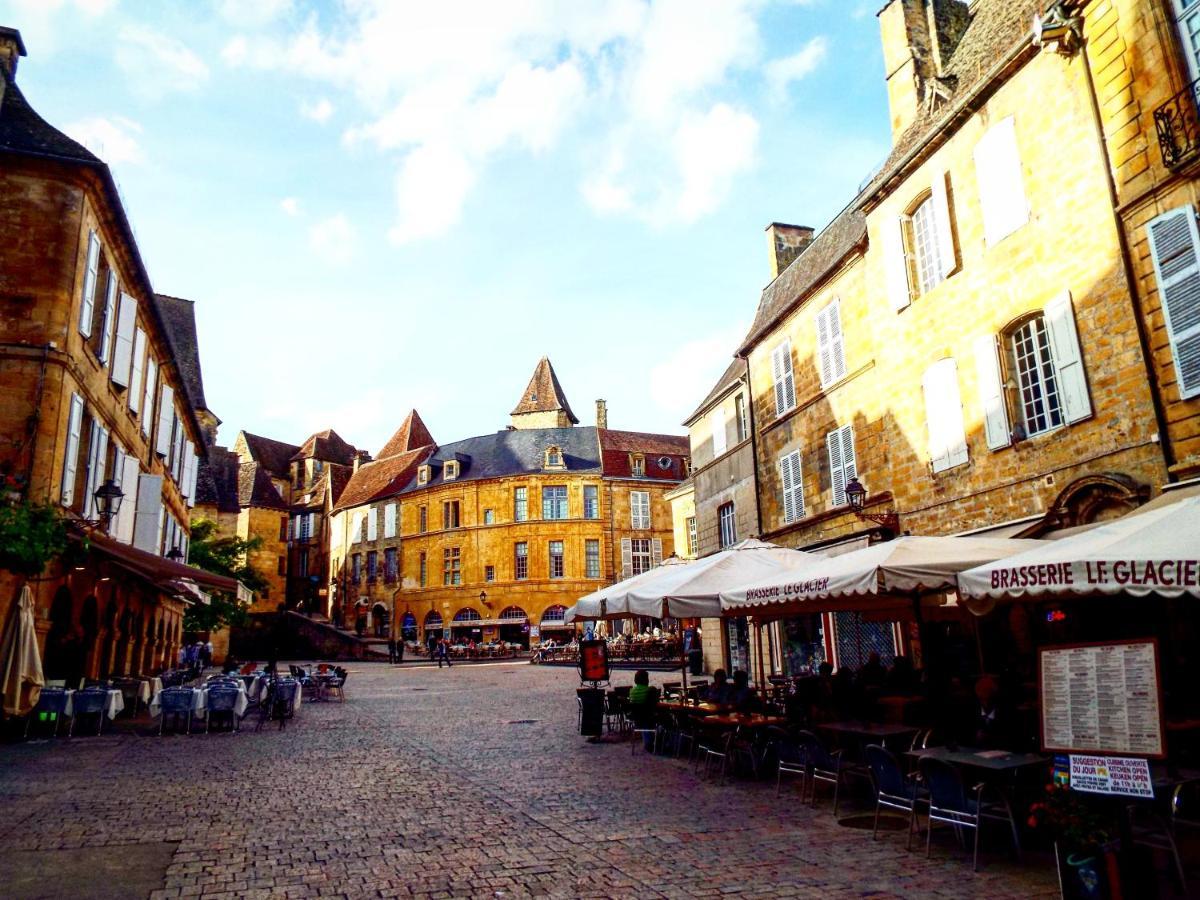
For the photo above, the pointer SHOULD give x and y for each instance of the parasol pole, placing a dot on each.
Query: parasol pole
(682, 654)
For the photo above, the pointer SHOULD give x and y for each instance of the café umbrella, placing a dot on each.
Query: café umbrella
(1155, 551)
(22, 676)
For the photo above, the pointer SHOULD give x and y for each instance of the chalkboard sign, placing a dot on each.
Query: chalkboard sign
(1101, 699)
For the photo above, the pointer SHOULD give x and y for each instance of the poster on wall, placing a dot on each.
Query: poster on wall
(1101, 699)
(1115, 775)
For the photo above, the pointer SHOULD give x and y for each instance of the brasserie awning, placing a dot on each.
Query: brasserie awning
(158, 569)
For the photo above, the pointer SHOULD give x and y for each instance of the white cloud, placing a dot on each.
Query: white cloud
(431, 188)
(114, 140)
(711, 150)
(158, 64)
(290, 205)
(333, 240)
(699, 362)
(252, 13)
(782, 72)
(317, 110)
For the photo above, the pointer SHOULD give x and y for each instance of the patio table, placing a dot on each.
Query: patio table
(744, 720)
(987, 760)
(112, 706)
(695, 708)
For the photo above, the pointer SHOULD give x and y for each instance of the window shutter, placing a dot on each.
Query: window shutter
(372, 524)
(129, 486)
(1068, 359)
(149, 505)
(656, 552)
(1175, 249)
(941, 220)
(824, 348)
(138, 367)
(97, 457)
(1001, 185)
(895, 264)
(191, 479)
(110, 308)
(89, 285)
(943, 416)
(719, 424)
(793, 487)
(356, 536)
(836, 343)
(166, 418)
(148, 396)
(185, 469)
(389, 520)
(71, 457)
(626, 557)
(177, 448)
(840, 445)
(123, 354)
(991, 392)
(785, 385)
(849, 460)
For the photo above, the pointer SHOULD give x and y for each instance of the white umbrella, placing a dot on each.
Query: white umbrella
(1152, 552)
(872, 577)
(23, 680)
(609, 602)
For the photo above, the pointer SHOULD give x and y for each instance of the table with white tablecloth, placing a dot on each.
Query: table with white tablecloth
(112, 705)
(200, 702)
(149, 688)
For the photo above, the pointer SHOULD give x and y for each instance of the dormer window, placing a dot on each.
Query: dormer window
(423, 473)
(450, 471)
(637, 465)
(554, 458)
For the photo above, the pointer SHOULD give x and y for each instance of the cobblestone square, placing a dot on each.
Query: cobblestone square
(467, 782)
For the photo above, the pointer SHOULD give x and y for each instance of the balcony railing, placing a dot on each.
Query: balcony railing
(1178, 125)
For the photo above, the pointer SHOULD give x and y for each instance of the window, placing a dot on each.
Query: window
(640, 559)
(451, 566)
(355, 567)
(918, 247)
(281, 566)
(520, 504)
(122, 352)
(283, 528)
(1187, 15)
(489, 573)
(303, 560)
(1175, 249)
(1001, 185)
(423, 473)
(726, 527)
(554, 501)
(372, 566)
(489, 517)
(639, 509)
(391, 568)
(450, 514)
(389, 520)
(422, 519)
(926, 256)
(1037, 387)
(591, 558)
(637, 465)
(741, 417)
(839, 444)
(556, 569)
(785, 382)
(691, 536)
(71, 456)
(421, 562)
(554, 459)
(520, 560)
(304, 523)
(944, 416)
(831, 354)
(450, 470)
(591, 501)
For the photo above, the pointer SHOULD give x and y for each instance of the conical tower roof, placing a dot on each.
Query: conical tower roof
(544, 394)
(411, 435)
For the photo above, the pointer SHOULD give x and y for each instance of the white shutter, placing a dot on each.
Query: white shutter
(129, 487)
(831, 351)
(185, 469)
(356, 536)
(719, 424)
(191, 479)
(166, 417)
(849, 460)
(160, 533)
(88, 299)
(146, 516)
(1175, 249)
(116, 475)
(824, 348)
(895, 264)
(839, 443)
(110, 308)
(177, 449)
(1068, 359)
(123, 354)
(1001, 186)
(785, 385)
(656, 552)
(941, 224)
(148, 396)
(372, 523)
(71, 457)
(626, 557)
(793, 487)
(991, 392)
(97, 456)
(943, 416)
(389, 520)
(138, 366)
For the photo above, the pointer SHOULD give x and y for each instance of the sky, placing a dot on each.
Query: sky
(381, 205)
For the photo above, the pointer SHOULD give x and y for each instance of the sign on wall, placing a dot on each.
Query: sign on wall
(1120, 775)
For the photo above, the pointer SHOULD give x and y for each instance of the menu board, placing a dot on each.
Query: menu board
(1118, 775)
(1101, 698)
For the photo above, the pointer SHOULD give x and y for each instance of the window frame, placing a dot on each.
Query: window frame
(591, 501)
(520, 560)
(640, 520)
(521, 504)
(556, 560)
(726, 525)
(452, 567)
(1034, 375)
(640, 549)
(591, 554)
(555, 502)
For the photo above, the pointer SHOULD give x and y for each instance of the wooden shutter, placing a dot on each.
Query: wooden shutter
(1001, 185)
(373, 523)
(129, 487)
(123, 354)
(166, 418)
(793, 487)
(839, 444)
(720, 422)
(626, 557)
(943, 416)
(71, 457)
(941, 224)
(837, 350)
(148, 396)
(896, 264)
(110, 309)
(389, 520)
(185, 469)
(824, 347)
(88, 299)
(97, 457)
(191, 479)
(148, 513)
(177, 448)
(656, 552)
(1068, 358)
(357, 531)
(991, 392)
(1175, 249)
(137, 370)
(785, 385)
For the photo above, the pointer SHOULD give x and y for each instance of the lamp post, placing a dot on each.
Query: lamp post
(108, 499)
(483, 598)
(856, 495)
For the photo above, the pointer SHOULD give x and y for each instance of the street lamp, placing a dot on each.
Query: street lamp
(483, 598)
(108, 501)
(856, 495)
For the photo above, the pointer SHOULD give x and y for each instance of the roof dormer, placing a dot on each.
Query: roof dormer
(450, 470)
(637, 465)
(553, 458)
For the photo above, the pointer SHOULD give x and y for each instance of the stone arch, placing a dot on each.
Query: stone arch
(89, 623)
(1091, 499)
(64, 649)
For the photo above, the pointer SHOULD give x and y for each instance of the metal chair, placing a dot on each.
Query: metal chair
(951, 803)
(790, 758)
(51, 707)
(721, 750)
(176, 702)
(1159, 829)
(893, 788)
(222, 700)
(88, 702)
(821, 764)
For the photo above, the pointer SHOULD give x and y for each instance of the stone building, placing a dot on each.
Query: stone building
(101, 383)
(494, 536)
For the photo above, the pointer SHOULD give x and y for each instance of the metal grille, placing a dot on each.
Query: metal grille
(856, 639)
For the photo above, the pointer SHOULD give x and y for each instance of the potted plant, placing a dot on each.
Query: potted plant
(1080, 836)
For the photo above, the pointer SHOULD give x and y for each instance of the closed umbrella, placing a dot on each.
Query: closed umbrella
(22, 674)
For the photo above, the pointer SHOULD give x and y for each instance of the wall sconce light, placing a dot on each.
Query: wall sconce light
(108, 503)
(856, 494)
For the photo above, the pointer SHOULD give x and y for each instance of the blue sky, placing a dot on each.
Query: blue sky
(379, 205)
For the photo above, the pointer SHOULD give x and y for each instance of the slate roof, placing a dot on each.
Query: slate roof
(544, 393)
(217, 480)
(327, 446)
(411, 435)
(179, 316)
(23, 131)
(736, 371)
(274, 455)
(255, 488)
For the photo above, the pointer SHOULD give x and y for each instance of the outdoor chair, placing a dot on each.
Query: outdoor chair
(282, 701)
(789, 756)
(893, 788)
(683, 729)
(88, 702)
(176, 702)
(709, 740)
(951, 803)
(222, 701)
(743, 748)
(821, 764)
(1152, 826)
(51, 707)
(615, 712)
(719, 750)
(334, 685)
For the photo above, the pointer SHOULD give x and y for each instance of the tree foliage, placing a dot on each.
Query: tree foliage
(31, 534)
(224, 555)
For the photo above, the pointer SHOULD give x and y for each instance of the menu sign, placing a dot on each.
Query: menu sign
(1101, 699)
(1111, 775)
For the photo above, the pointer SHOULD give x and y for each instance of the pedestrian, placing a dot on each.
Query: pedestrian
(399, 651)
(443, 653)
(392, 650)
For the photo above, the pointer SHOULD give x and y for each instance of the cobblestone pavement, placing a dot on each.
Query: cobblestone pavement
(464, 782)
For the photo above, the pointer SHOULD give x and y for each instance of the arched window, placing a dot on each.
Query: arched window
(467, 614)
(554, 614)
(513, 614)
(433, 620)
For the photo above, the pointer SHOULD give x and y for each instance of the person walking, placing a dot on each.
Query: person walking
(392, 651)
(399, 651)
(443, 653)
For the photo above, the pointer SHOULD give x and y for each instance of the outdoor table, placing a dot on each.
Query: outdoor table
(149, 688)
(704, 708)
(112, 706)
(986, 760)
(744, 720)
(200, 702)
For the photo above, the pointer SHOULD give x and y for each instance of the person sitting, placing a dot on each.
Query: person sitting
(720, 690)
(872, 675)
(994, 728)
(643, 700)
(742, 696)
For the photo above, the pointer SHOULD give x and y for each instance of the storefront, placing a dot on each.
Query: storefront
(514, 626)
(467, 626)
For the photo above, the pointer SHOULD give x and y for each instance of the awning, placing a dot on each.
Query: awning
(158, 569)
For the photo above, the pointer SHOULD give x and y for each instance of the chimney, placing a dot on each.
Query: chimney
(11, 47)
(919, 37)
(602, 414)
(785, 243)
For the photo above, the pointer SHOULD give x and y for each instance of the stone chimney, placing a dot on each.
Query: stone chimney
(785, 243)
(919, 37)
(11, 47)
(602, 414)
